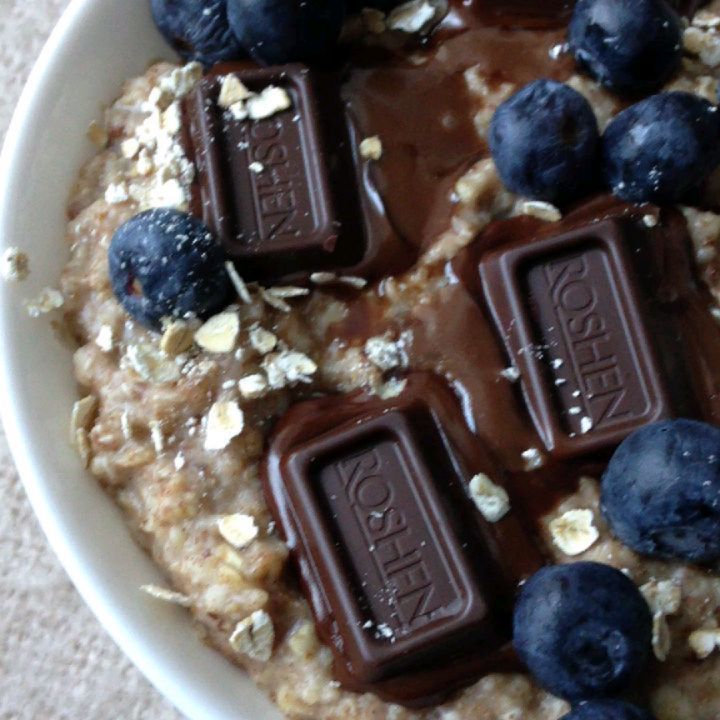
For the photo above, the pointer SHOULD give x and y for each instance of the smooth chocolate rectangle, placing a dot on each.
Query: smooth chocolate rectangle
(410, 586)
(268, 187)
(402, 573)
(570, 311)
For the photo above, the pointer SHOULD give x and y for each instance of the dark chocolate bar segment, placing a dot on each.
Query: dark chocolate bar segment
(572, 315)
(264, 185)
(410, 586)
(287, 195)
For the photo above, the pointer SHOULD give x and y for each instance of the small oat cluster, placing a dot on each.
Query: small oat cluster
(491, 499)
(702, 38)
(243, 104)
(371, 148)
(161, 172)
(14, 265)
(81, 420)
(388, 354)
(48, 300)
(574, 532)
(664, 598)
(416, 16)
(254, 636)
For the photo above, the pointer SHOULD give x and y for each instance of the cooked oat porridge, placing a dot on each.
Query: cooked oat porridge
(477, 316)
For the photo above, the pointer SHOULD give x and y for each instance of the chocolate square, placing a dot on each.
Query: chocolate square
(410, 586)
(570, 311)
(270, 188)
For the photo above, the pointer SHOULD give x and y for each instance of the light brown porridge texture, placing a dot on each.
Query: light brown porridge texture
(177, 440)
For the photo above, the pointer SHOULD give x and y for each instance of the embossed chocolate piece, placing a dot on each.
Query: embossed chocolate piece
(572, 315)
(410, 586)
(282, 189)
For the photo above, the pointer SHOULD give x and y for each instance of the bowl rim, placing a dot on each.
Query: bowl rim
(184, 688)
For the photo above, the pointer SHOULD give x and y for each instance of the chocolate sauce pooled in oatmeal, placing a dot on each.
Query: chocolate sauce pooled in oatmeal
(254, 176)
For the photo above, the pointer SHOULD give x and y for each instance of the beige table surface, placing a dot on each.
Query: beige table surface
(56, 662)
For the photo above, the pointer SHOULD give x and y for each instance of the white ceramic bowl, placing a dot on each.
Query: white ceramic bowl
(96, 45)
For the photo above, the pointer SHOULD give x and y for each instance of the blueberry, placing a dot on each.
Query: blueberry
(661, 491)
(165, 263)
(607, 710)
(627, 46)
(545, 142)
(282, 31)
(583, 630)
(662, 147)
(197, 29)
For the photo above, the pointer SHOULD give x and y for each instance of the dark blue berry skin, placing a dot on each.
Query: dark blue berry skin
(607, 710)
(282, 31)
(583, 630)
(661, 148)
(630, 47)
(197, 29)
(545, 142)
(661, 491)
(166, 264)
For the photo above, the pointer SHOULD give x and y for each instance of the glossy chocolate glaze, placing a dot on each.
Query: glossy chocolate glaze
(417, 100)
(411, 588)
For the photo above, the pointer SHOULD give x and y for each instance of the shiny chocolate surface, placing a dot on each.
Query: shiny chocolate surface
(569, 310)
(410, 586)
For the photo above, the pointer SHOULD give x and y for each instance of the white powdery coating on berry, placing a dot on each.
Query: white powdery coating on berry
(491, 500)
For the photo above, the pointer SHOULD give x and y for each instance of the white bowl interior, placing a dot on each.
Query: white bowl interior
(97, 45)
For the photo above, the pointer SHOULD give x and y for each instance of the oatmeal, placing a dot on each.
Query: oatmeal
(176, 419)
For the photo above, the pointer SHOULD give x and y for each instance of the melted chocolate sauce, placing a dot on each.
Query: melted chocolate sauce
(420, 106)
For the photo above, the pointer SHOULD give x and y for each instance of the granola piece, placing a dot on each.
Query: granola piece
(239, 530)
(225, 421)
(219, 334)
(169, 596)
(490, 499)
(254, 636)
(177, 338)
(574, 532)
(704, 642)
(15, 265)
(371, 148)
(46, 302)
